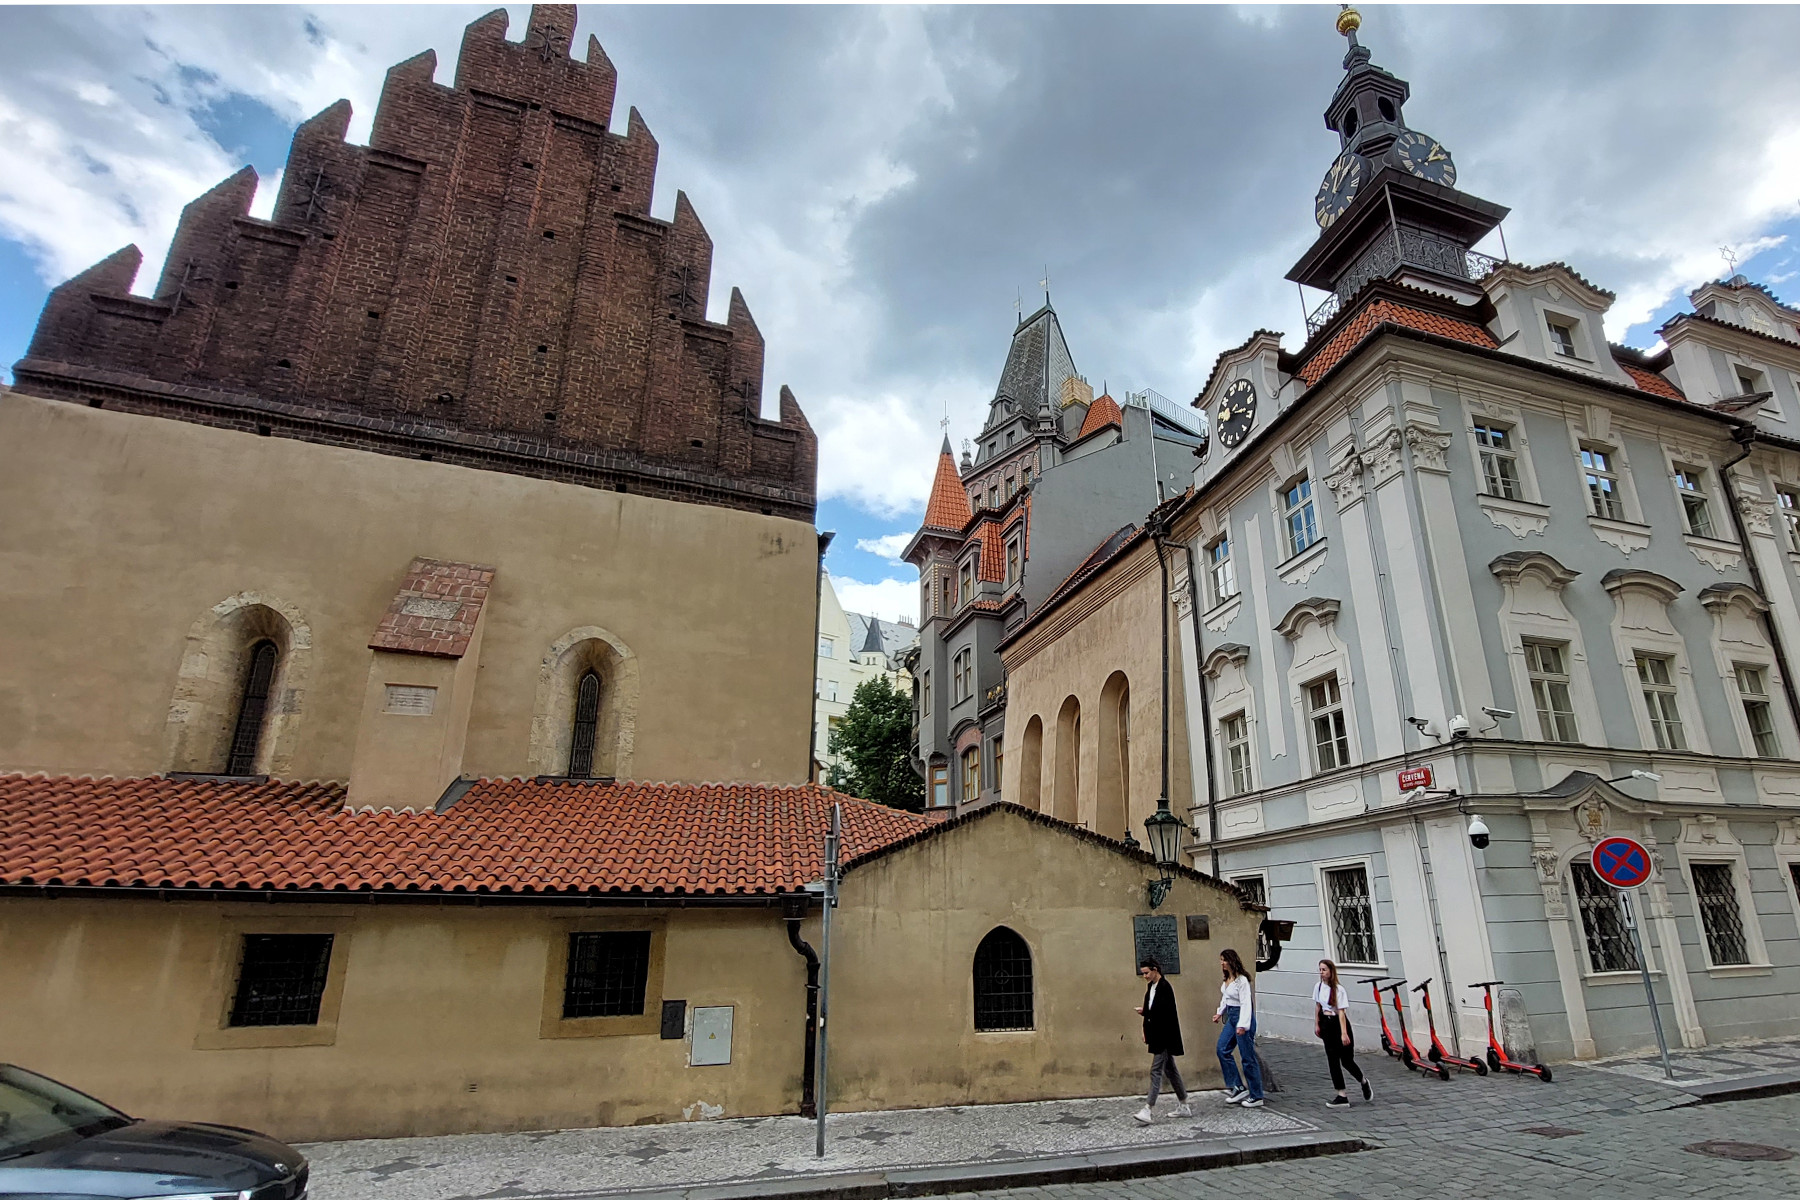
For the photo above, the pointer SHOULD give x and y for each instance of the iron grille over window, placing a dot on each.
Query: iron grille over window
(247, 736)
(281, 979)
(1002, 982)
(607, 975)
(587, 724)
(1609, 943)
(1352, 915)
(1715, 895)
(1253, 887)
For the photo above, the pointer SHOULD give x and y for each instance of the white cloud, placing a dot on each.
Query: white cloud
(888, 547)
(889, 599)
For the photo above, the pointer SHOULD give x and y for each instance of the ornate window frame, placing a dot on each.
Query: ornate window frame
(1310, 628)
(1738, 638)
(1232, 690)
(1528, 514)
(1629, 532)
(1287, 467)
(209, 684)
(1533, 608)
(1328, 932)
(1706, 838)
(1719, 550)
(553, 710)
(1581, 853)
(1641, 624)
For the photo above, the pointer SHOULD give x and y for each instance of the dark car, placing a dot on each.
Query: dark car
(59, 1144)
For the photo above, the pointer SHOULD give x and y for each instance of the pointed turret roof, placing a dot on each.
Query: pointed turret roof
(948, 507)
(1100, 414)
(1036, 364)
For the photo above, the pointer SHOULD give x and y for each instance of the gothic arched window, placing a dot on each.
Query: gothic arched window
(1002, 982)
(246, 736)
(587, 723)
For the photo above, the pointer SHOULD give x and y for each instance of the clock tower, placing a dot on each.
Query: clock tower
(1388, 207)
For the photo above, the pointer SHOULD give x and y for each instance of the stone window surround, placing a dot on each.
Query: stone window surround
(1597, 431)
(1629, 642)
(1287, 467)
(1723, 603)
(209, 684)
(553, 710)
(1330, 657)
(217, 1033)
(552, 1023)
(1586, 359)
(1516, 626)
(1787, 857)
(1235, 657)
(1582, 853)
(1708, 839)
(1320, 892)
(1528, 514)
(1735, 362)
(1721, 551)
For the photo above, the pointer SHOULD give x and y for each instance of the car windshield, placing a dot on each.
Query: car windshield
(40, 1114)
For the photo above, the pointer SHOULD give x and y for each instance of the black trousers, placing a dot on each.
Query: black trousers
(1340, 1052)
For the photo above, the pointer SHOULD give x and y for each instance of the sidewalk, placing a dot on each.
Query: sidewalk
(1731, 1070)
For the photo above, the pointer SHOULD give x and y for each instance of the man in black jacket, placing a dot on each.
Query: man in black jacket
(1162, 1037)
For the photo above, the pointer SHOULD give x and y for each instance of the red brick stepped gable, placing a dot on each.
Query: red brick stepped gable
(482, 282)
(504, 837)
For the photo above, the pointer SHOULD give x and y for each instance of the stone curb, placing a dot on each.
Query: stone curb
(1750, 1087)
(1094, 1166)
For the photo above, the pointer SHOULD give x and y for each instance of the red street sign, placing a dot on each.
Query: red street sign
(1621, 862)
(1415, 777)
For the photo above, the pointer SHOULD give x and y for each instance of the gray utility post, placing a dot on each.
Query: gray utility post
(832, 840)
(1637, 942)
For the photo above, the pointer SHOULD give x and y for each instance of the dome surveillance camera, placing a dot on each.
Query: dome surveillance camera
(1459, 726)
(1478, 832)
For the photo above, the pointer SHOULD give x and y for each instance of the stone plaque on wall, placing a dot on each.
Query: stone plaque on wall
(1156, 937)
(1199, 927)
(410, 701)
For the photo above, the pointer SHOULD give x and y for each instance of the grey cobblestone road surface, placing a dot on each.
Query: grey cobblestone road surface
(1603, 1133)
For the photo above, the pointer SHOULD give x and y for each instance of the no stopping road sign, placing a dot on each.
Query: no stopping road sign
(1622, 862)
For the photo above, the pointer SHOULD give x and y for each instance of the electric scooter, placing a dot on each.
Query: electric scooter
(1439, 1053)
(1496, 1054)
(1387, 1038)
(1409, 1053)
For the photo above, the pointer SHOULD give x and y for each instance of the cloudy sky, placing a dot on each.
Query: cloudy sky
(885, 183)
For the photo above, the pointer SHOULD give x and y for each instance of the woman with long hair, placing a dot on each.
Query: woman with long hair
(1331, 1024)
(1237, 1013)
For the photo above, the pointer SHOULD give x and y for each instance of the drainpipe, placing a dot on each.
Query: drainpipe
(812, 715)
(1745, 436)
(1212, 786)
(1157, 527)
(793, 911)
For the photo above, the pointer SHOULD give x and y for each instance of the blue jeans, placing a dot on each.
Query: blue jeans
(1246, 1048)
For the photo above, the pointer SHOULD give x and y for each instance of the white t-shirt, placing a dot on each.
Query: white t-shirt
(1236, 993)
(1323, 998)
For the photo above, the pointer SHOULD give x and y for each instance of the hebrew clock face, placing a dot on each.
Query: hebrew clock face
(1425, 157)
(1237, 412)
(1338, 188)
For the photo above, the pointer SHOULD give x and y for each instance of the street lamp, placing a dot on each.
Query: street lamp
(1163, 830)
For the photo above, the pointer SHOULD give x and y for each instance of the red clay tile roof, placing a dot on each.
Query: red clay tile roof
(506, 836)
(1100, 414)
(1381, 312)
(1652, 382)
(993, 544)
(435, 610)
(948, 507)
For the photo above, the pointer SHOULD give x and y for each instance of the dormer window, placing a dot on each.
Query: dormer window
(1562, 337)
(1750, 382)
(966, 583)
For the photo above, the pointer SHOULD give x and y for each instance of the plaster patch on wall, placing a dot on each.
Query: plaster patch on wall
(700, 1110)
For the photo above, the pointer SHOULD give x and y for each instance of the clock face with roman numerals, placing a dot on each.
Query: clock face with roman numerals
(1339, 188)
(1425, 157)
(1237, 412)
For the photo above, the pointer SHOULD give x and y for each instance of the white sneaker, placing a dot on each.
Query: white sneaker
(1252, 1102)
(1143, 1116)
(1184, 1110)
(1233, 1095)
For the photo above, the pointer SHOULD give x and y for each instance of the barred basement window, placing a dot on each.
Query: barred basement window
(1715, 895)
(587, 723)
(281, 979)
(246, 737)
(607, 974)
(1254, 888)
(1002, 982)
(1351, 913)
(1609, 944)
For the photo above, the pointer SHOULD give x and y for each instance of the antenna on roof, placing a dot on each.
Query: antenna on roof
(1045, 283)
(945, 423)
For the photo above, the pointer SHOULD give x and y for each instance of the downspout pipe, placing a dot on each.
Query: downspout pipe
(1745, 436)
(793, 913)
(1212, 783)
(1158, 527)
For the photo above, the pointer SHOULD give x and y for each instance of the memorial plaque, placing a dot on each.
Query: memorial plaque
(441, 610)
(1199, 927)
(410, 701)
(1155, 937)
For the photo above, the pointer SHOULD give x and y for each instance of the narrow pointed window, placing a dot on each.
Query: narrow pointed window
(246, 738)
(587, 720)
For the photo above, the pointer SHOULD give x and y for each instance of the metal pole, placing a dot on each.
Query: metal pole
(1649, 992)
(831, 865)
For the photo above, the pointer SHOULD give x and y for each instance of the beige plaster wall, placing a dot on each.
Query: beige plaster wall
(1074, 651)
(121, 531)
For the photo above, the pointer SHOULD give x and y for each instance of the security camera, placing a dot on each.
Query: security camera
(1478, 832)
(1419, 723)
(1459, 726)
(1652, 776)
(1499, 714)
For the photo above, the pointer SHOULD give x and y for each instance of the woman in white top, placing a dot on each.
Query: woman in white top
(1237, 1013)
(1331, 1022)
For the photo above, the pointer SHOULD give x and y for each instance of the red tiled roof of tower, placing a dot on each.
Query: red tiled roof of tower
(435, 610)
(1652, 382)
(993, 544)
(1382, 312)
(505, 836)
(948, 507)
(1100, 414)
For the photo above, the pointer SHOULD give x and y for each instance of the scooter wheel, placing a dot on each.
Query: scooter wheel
(1544, 1074)
(1411, 1063)
(1387, 1046)
(1493, 1060)
(1443, 1073)
(1481, 1068)
(1433, 1054)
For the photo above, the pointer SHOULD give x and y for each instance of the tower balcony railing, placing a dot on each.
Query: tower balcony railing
(1384, 259)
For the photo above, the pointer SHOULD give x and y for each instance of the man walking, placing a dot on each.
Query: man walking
(1162, 1037)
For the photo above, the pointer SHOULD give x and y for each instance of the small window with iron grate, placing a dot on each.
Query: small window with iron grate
(281, 979)
(1002, 982)
(607, 975)
(253, 709)
(1716, 896)
(587, 726)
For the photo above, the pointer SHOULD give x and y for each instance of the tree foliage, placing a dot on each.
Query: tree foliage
(873, 743)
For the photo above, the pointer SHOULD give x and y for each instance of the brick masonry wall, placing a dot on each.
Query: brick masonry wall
(483, 283)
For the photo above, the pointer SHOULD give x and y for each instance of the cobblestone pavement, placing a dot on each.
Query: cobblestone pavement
(760, 1148)
(1713, 1064)
(1511, 1137)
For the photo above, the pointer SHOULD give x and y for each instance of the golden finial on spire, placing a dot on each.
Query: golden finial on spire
(1348, 20)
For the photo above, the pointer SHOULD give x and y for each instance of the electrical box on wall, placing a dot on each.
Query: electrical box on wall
(711, 1046)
